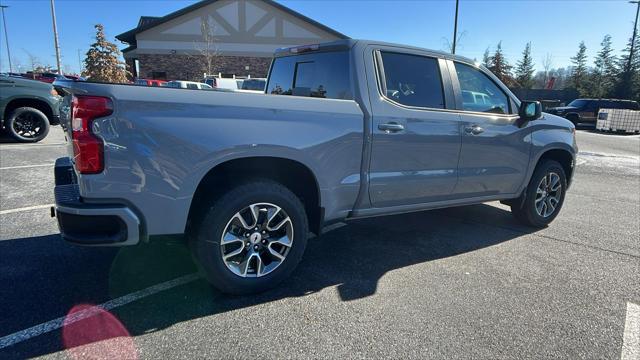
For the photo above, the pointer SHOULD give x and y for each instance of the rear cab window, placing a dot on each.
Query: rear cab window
(412, 80)
(321, 75)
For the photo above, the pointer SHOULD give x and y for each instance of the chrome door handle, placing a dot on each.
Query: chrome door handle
(474, 129)
(391, 127)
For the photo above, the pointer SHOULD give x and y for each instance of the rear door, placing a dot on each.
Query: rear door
(495, 145)
(415, 135)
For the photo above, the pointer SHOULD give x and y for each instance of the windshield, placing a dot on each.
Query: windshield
(578, 103)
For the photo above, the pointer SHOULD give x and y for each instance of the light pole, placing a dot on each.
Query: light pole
(6, 37)
(455, 30)
(635, 30)
(55, 37)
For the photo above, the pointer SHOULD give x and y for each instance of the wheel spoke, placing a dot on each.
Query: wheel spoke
(284, 241)
(233, 253)
(272, 213)
(244, 224)
(255, 213)
(277, 255)
(555, 183)
(280, 224)
(230, 238)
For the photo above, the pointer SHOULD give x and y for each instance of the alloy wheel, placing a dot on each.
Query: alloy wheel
(28, 125)
(256, 240)
(548, 194)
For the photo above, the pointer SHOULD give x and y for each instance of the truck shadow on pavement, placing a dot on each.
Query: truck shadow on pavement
(50, 277)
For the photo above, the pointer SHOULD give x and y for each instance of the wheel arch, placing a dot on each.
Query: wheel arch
(35, 103)
(563, 156)
(293, 174)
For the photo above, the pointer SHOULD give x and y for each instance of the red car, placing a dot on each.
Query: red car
(147, 82)
(44, 77)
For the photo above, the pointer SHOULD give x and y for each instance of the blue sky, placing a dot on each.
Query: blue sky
(553, 26)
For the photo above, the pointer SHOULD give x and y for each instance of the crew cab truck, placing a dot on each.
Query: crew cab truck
(27, 108)
(347, 129)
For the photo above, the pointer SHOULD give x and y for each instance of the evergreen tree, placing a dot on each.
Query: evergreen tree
(525, 69)
(486, 58)
(579, 71)
(604, 71)
(500, 67)
(102, 63)
(628, 78)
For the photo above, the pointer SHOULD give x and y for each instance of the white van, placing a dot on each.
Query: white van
(188, 85)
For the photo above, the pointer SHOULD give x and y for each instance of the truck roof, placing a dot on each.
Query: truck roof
(347, 44)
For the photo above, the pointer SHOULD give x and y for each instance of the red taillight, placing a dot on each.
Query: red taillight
(88, 149)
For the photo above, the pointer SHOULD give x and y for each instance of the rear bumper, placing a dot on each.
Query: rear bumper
(91, 224)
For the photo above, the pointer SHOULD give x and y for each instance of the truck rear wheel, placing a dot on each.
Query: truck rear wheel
(27, 124)
(251, 238)
(544, 195)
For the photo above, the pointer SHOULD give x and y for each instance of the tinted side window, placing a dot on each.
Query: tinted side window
(479, 92)
(324, 75)
(192, 86)
(413, 80)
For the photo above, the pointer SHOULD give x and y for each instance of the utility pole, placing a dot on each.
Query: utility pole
(455, 30)
(6, 36)
(55, 37)
(79, 63)
(635, 30)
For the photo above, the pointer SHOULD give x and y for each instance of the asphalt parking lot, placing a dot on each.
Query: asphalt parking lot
(466, 282)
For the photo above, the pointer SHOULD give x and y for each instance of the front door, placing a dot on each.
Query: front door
(415, 141)
(495, 146)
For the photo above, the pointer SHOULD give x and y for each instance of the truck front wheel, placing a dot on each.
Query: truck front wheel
(544, 195)
(251, 238)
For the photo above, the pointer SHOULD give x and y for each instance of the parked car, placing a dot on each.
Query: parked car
(27, 108)
(187, 85)
(347, 129)
(223, 83)
(44, 77)
(149, 82)
(586, 110)
(75, 77)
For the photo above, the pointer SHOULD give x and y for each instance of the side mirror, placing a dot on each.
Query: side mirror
(530, 110)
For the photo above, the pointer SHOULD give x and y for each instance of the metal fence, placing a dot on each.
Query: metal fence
(618, 120)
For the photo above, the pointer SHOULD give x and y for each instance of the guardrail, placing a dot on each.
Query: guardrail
(618, 120)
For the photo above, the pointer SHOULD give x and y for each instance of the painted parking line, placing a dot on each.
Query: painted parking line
(58, 323)
(24, 166)
(28, 208)
(631, 336)
(29, 146)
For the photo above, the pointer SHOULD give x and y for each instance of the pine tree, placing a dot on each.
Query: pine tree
(525, 69)
(579, 70)
(486, 58)
(102, 63)
(500, 67)
(628, 78)
(604, 71)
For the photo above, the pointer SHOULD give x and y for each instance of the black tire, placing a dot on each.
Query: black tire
(525, 209)
(575, 120)
(26, 124)
(213, 218)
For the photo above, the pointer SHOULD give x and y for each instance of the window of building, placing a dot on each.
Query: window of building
(413, 80)
(159, 75)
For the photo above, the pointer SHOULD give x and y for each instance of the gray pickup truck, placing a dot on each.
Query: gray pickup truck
(346, 130)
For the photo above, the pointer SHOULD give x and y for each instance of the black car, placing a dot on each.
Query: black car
(586, 110)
